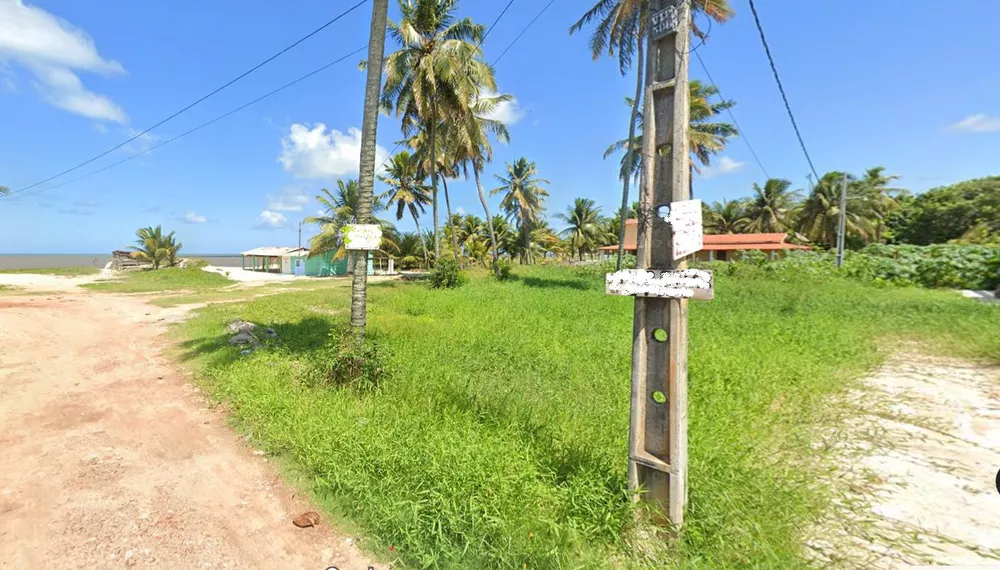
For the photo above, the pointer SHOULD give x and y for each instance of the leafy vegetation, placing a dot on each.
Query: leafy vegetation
(155, 247)
(967, 212)
(511, 452)
(934, 266)
(167, 279)
(446, 274)
(60, 271)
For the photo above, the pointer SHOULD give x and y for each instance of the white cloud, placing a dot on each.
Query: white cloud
(193, 217)
(725, 165)
(460, 211)
(314, 153)
(508, 112)
(141, 144)
(978, 123)
(268, 220)
(52, 49)
(291, 199)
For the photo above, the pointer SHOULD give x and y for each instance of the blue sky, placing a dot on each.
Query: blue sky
(867, 86)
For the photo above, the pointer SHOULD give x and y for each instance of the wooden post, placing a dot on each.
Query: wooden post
(842, 222)
(658, 421)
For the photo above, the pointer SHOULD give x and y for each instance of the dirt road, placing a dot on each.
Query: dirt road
(110, 459)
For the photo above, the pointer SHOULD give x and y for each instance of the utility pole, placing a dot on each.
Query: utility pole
(366, 182)
(658, 420)
(842, 222)
(300, 234)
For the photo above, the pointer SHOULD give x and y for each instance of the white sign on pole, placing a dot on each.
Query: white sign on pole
(686, 227)
(362, 236)
(664, 22)
(671, 284)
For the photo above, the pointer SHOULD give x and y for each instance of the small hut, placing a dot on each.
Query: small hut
(122, 260)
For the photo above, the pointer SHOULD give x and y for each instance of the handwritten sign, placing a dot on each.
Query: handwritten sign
(362, 236)
(665, 22)
(686, 226)
(679, 284)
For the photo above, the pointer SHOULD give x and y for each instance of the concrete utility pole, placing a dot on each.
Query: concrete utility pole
(842, 222)
(658, 422)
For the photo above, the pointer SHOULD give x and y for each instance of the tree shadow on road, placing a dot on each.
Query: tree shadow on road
(297, 338)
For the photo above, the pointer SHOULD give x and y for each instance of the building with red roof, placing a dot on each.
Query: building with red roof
(719, 246)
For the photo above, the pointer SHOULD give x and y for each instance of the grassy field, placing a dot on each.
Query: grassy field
(191, 279)
(498, 439)
(60, 271)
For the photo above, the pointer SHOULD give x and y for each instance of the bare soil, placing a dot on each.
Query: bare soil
(923, 457)
(109, 458)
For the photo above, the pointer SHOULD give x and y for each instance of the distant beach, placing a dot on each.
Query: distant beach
(99, 260)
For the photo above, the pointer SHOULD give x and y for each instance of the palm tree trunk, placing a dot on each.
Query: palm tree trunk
(434, 180)
(489, 219)
(627, 178)
(423, 239)
(451, 220)
(369, 127)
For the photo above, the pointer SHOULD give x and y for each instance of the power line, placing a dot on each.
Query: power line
(216, 119)
(732, 117)
(241, 76)
(539, 15)
(784, 97)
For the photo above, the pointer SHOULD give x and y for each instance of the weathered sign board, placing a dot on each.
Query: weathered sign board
(671, 284)
(664, 22)
(686, 227)
(366, 237)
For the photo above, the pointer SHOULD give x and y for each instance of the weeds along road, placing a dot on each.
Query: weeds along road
(109, 458)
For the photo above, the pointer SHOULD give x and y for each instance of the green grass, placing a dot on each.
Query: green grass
(246, 293)
(168, 279)
(499, 439)
(60, 271)
(8, 288)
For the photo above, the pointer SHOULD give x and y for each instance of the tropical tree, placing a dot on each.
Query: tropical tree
(726, 217)
(770, 208)
(472, 145)
(707, 137)
(407, 189)
(819, 216)
(506, 236)
(620, 32)
(523, 200)
(585, 232)
(412, 249)
(339, 209)
(155, 247)
(881, 197)
(435, 75)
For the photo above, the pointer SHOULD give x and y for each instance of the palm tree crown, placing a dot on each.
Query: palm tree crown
(523, 198)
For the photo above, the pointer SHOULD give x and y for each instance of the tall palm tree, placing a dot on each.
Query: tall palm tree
(407, 189)
(473, 148)
(621, 28)
(584, 231)
(506, 237)
(726, 217)
(436, 74)
(707, 137)
(770, 208)
(369, 127)
(523, 199)
(150, 245)
(882, 199)
(819, 216)
(171, 247)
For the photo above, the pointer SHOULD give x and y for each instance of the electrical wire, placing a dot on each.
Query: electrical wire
(200, 100)
(732, 117)
(537, 16)
(207, 123)
(774, 70)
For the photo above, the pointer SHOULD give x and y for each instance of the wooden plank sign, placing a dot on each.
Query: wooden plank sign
(365, 237)
(664, 22)
(686, 227)
(671, 284)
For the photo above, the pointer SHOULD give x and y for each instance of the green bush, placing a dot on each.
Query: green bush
(501, 269)
(446, 274)
(345, 361)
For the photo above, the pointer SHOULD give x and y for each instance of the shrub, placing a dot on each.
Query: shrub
(446, 274)
(501, 269)
(345, 361)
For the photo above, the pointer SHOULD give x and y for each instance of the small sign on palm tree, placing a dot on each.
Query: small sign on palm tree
(364, 237)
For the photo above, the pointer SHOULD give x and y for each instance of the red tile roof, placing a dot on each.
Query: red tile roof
(721, 242)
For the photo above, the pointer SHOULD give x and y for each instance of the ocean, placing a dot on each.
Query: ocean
(99, 260)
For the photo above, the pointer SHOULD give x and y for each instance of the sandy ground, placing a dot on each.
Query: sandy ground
(47, 282)
(109, 458)
(930, 464)
(244, 276)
